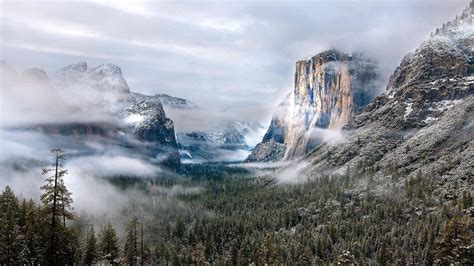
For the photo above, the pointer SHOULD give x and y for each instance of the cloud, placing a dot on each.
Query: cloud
(284, 172)
(131, 7)
(230, 55)
(331, 136)
(109, 165)
(90, 163)
(292, 174)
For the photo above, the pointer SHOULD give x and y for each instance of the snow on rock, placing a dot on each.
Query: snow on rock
(100, 88)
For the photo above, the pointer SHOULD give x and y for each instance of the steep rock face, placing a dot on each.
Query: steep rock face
(269, 151)
(330, 87)
(147, 121)
(273, 145)
(423, 122)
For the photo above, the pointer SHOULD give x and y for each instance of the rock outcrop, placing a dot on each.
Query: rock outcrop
(330, 88)
(147, 122)
(422, 124)
(166, 100)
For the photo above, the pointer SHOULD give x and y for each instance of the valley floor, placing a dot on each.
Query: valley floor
(223, 215)
(239, 219)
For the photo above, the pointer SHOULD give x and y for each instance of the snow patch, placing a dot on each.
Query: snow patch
(134, 119)
(408, 110)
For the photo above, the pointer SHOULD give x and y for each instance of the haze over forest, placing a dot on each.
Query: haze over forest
(237, 132)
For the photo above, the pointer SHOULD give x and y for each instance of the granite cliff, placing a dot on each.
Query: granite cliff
(329, 89)
(422, 125)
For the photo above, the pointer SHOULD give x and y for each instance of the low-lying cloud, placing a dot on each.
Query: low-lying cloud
(231, 55)
(110, 165)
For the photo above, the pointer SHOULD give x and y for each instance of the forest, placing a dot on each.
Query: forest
(239, 219)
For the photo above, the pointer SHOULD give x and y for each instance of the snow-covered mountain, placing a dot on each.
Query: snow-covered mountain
(146, 121)
(166, 100)
(89, 105)
(101, 88)
(232, 142)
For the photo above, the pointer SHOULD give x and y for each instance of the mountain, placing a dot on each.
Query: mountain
(422, 125)
(146, 121)
(231, 142)
(77, 106)
(330, 88)
(100, 88)
(166, 100)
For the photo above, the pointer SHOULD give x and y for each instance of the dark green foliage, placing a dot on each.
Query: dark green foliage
(12, 242)
(325, 220)
(108, 244)
(240, 220)
(131, 248)
(90, 249)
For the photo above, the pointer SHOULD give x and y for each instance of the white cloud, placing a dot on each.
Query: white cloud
(112, 165)
(135, 7)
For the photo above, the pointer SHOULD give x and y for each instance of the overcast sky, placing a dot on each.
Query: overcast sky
(235, 56)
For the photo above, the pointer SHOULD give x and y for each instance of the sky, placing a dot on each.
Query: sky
(234, 57)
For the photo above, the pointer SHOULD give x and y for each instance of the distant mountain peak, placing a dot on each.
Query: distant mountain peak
(100, 87)
(79, 66)
(107, 69)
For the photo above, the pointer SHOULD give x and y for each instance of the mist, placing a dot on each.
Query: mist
(236, 57)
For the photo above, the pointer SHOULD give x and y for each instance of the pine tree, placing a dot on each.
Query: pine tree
(307, 257)
(108, 244)
(130, 250)
(30, 227)
(57, 202)
(198, 256)
(90, 251)
(455, 246)
(12, 243)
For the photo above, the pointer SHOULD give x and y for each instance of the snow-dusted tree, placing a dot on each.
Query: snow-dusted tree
(57, 202)
(130, 250)
(108, 244)
(31, 225)
(12, 243)
(90, 250)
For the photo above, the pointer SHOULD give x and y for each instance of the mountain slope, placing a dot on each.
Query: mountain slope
(423, 123)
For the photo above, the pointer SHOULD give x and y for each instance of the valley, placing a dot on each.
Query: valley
(353, 166)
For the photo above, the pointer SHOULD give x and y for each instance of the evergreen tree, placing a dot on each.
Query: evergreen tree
(57, 201)
(456, 244)
(108, 244)
(90, 250)
(130, 250)
(12, 243)
(30, 222)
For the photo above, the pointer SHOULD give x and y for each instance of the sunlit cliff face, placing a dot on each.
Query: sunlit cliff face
(329, 88)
